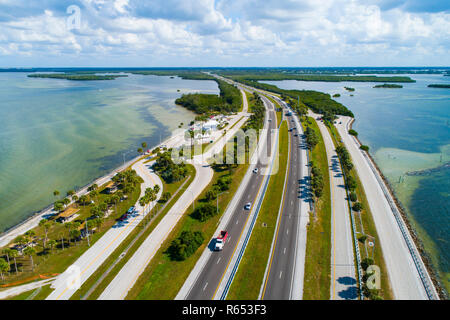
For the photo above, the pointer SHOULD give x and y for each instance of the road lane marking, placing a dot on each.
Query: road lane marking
(205, 286)
(218, 260)
(281, 272)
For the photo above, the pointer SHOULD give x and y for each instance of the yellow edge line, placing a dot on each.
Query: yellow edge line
(103, 251)
(229, 261)
(278, 225)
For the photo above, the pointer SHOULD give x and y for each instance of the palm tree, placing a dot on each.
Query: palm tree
(75, 199)
(70, 193)
(56, 193)
(7, 252)
(4, 267)
(94, 194)
(58, 207)
(52, 244)
(156, 188)
(84, 199)
(46, 224)
(66, 201)
(14, 254)
(140, 150)
(29, 251)
(144, 145)
(69, 226)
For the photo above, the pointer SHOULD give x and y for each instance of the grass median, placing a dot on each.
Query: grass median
(317, 278)
(250, 274)
(163, 277)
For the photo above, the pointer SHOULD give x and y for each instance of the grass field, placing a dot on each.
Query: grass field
(35, 294)
(250, 274)
(317, 278)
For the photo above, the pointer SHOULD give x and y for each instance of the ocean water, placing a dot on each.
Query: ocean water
(407, 129)
(60, 134)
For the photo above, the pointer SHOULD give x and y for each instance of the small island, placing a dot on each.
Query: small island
(442, 86)
(388, 85)
(349, 89)
(337, 95)
(75, 77)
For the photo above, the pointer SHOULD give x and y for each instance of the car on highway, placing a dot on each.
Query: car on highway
(255, 170)
(269, 120)
(248, 206)
(220, 240)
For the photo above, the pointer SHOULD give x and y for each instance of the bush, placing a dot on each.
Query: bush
(353, 197)
(204, 212)
(351, 183)
(365, 148)
(185, 245)
(353, 132)
(357, 206)
(362, 238)
(165, 196)
(366, 262)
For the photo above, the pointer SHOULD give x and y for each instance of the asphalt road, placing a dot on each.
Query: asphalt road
(403, 271)
(344, 285)
(207, 282)
(279, 280)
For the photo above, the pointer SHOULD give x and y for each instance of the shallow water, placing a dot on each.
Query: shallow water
(59, 134)
(407, 129)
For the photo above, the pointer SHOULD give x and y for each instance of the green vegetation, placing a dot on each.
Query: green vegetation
(276, 76)
(133, 241)
(256, 120)
(164, 276)
(317, 278)
(185, 245)
(169, 170)
(58, 245)
(318, 102)
(204, 104)
(76, 77)
(349, 89)
(388, 85)
(364, 223)
(250, 274)
(443, 86)
(36, 294)
(353, 132)
(364, 147)
(336, 95)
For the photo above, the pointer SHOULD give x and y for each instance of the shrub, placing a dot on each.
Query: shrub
(357, 206)
(366, 262)
(204, 212)
(353, 132)
(353, 197)
(185, 245)
(365, 148)
(351, 183)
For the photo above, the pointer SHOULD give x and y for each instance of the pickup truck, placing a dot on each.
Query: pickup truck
(220, 240)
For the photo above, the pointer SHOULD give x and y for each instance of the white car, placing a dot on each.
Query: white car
(255, 170)
(248, 206)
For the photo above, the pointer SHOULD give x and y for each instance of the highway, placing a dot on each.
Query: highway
(285, 271)
(408, 276)
(205, 284)
(344, 285)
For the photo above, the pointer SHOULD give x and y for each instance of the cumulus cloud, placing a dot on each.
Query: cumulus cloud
(226, 32)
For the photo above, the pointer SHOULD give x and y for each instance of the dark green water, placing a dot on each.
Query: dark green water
(406, 129)
(59, 134)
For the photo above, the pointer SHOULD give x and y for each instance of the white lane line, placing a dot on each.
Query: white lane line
(237, 221)
(218, 260)
(284, 251)
(205, 286)
(281, 272)
(287, 231)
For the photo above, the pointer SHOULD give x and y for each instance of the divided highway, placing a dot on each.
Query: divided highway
(207, 282)
(285, 271)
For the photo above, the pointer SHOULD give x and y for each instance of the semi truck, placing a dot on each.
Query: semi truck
(220, 240)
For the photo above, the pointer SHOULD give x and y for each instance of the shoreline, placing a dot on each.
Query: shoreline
(427, 261)
(33, 220)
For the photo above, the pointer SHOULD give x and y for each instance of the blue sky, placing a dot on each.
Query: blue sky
(202, 33)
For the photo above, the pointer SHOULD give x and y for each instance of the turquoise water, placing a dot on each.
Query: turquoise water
(59, 134)
(406, 129)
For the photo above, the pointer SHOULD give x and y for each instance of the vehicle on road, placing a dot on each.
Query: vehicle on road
(248, 206)
(220, 240)
(270, 120)
(255, 170)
